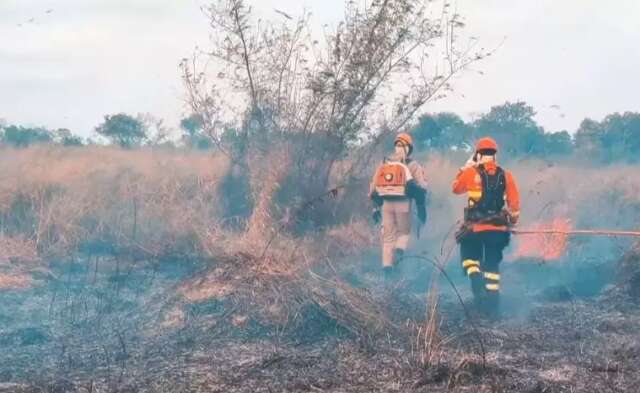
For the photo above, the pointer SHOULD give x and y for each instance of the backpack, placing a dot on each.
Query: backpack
(392, 178)
(492, 201)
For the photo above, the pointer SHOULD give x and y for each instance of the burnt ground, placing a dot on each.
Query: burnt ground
(89, 328)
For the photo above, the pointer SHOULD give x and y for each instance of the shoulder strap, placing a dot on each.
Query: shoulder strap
(500, 177)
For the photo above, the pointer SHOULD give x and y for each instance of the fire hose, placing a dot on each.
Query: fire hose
(503, 218)
(576, 232)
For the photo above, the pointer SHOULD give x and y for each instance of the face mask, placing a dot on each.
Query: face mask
(401, 151)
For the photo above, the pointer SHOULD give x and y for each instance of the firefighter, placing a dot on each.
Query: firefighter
(397, 183)
(487, 219)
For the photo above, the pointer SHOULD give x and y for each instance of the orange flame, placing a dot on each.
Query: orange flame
(547, 247)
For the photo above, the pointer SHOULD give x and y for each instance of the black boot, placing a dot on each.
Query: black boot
(492, 305)
(387, 274)
(398, 254)
(478, 290)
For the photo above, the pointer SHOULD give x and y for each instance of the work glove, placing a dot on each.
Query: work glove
(422, 213)
(513, 217)
(376, 199)
(415, 192)
(377, 216)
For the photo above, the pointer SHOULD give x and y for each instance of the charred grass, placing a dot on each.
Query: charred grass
(108, 337)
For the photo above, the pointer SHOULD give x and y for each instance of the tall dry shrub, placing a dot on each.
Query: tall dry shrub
(273, 81)
(267, 172)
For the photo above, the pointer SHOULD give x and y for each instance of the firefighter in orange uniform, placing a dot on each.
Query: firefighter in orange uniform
(485, 232)
(398, 182)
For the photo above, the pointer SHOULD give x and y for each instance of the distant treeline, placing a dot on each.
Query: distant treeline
(614, 139)
(120, 129)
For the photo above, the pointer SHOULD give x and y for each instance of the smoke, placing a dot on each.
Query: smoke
(543, 267)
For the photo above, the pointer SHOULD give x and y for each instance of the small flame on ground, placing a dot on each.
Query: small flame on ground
(547, 247)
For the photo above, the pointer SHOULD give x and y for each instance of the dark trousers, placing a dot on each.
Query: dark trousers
(481, 254)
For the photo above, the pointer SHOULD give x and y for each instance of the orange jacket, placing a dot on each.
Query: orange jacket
(469, 181)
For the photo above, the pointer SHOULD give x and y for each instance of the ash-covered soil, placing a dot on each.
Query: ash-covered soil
(92, 328)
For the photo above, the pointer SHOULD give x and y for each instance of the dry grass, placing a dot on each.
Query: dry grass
(629, 272)
(159, 204)
(273, 288)
(354, 309)
(15, 281)
(166, 204)
(428, 345)
(64, 199)
(17, 249)
(18, 259)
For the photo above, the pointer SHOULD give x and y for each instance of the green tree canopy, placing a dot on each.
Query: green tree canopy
(511, 124)
(194, 135)
(442, 131)
(616, 138)
(19, 136)
(558, 144)
(514, 128)
(65, 137)
(123, 130)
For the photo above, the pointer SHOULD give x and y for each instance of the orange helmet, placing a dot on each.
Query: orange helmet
(404, 138)
(486, 143)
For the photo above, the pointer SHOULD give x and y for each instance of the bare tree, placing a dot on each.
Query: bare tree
(278, 81)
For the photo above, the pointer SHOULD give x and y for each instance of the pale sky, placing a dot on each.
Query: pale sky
(67, 63)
